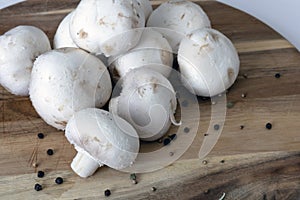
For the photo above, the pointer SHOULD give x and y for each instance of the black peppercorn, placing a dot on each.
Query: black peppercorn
(173, 136)
(230, 105)
(40, 136)
(167, 141)
(186, 130)
(50, 152)
(216, 127)
(107, 193)
(38, 187)
(40, 174)
(277, 75)
(153, 189)
(133, 176)
(59, 180)
(185, 103)
(242, 127)
(269, 126)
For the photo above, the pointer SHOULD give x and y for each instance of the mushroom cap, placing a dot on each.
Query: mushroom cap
(18, 49)
(147, 101)
(146, 7)
(108, 139)
(176, 19)
(67, 80)
(107, 26)
(153, 51)
(208, 62)
(62, 37)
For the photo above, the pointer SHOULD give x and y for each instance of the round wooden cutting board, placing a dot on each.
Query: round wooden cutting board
(248, 162)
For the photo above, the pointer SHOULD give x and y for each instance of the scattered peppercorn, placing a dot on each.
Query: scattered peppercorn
(186, 130)
(204, 162)
(107, 193)
(134, 182)
(41, 136)
(185, 103)
(242, 127)
(269, 126)
(216, 127)
(133, 176)
(245, 76)
(277, 75)
(50, 152)
(173, 136)
(40, 174)
(222, 161)
(153, 189)
(167, 141)
(244, 95)
(230, 105)
(59, 180)
(205, 134)
(38, 187)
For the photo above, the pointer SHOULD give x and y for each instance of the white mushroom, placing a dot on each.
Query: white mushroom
(177, 18)
(147, 102)
(18, 49)
(153, 51)
(107, 26)
(67, 80)
(208, 62)
(146, 7)
(101, 139)
(62, 37)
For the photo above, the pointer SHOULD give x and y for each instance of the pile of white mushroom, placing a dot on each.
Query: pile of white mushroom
(105, 40)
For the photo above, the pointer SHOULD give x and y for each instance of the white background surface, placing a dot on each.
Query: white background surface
(6, 3)
(282, 15)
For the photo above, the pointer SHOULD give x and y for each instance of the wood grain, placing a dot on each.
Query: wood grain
(258, 163)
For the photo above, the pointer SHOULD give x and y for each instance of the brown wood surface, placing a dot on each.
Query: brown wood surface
(257, 163)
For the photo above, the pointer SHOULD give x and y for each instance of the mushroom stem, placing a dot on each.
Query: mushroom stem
(84, 165)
